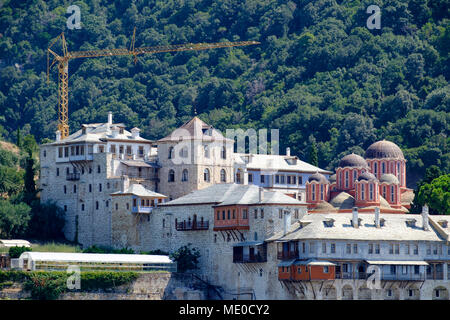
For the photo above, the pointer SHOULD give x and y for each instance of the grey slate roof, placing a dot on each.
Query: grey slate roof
(140, 191)
(232, 194)
(395, 228)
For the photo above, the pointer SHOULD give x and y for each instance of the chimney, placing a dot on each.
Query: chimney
(377, 217)
(355, 221)
(288, 151)
(125, 183)
(425, 224)
(110, 118)
(135, 133)
(58, 135)
(286, 221)
(261, 194)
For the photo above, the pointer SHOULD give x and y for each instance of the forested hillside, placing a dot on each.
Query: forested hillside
(319, 75)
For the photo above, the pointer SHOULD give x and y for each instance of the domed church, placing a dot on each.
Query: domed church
(377, 180)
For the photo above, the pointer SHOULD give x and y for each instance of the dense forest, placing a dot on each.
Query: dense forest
(319, 75)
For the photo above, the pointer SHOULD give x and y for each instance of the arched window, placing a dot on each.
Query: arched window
(170, 153)
(206, 151)
(346, 179)
(223, 176)
(223, 153)
(184, 152)
(313, 194)
(383, 168)
(392, 193)
(206, 175)
(321, 192)
(398, 171)
(371, 191)
(375, 168)
(171, 176)
(184, 176)
(362, 191)
(354, 175)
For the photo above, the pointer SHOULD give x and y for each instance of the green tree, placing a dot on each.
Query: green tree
(436, 195)
(14, 219)
(30, 185)
(313, 157)
(47, 221)
(186, 258)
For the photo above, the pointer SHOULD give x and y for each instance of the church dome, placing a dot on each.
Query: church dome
(366, 176)
(389, 178)
(317, 177)
(353, 160)
(384, 149)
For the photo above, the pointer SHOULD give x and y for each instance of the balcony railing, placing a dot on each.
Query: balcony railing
(142, 209)
(249, 259)
(188, 225)
(287, 255)
(73, 176)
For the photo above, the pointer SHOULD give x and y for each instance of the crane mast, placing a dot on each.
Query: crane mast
(62, 60)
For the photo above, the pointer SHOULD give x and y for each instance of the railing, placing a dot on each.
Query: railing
(344, 275)
(287, 255)
(437, 275)
(404, 277)
(249, 259)
(142, 209)
(73, 176)
(188, 225)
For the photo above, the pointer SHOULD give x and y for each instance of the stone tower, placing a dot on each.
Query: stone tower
(193, 157)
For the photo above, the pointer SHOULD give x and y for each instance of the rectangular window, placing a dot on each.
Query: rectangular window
(428, 249)
(66, 152)
(325, 269)
(250, 178)
(277, 179)
(391, 249)
(300, 180)
(397, 248)
(324, 247)
(312, 247)
(416, 269)
(355, 248)
(370, 248)
(57, 172)
(377, 249)
(60, 152)
(289, 179)
(262, 178)
(280, 213)
(141, 151)
(282, 179)
(296, 213)
(348, 248)
(256, 213)
(245, 216)
(262, 213)
(406, 248)
(393, 270)
(333, 248)
(405, 269)
(416, 249)
(303, 247)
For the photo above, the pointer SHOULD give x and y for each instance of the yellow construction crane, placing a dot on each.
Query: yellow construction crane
(63, 65)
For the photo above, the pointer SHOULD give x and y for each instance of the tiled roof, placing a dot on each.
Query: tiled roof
(194, 129)
(140, 191)
(232, 194)
(268, 162)
(395, 228)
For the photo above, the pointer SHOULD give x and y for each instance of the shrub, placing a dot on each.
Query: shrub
(15, 252)
(105, 279)
(101, 249)
(186, 258)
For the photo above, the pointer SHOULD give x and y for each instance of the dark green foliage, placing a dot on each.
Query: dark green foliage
(313, 157)
(318, 71)
(186, 258)
(47, 221)
(105, 280)
(15, 252)
(45, 285)
(30, 184)
(156, 252)
(14, 219)
(103, 249)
